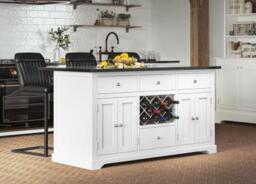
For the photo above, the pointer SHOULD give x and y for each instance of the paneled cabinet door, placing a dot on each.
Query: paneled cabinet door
(107, 131)
(203, 106)
(128, 121)
(227, 86)
(247, 88)
(186, 123)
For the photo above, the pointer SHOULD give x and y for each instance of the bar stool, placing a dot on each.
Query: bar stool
(34, 82)
(80, 59)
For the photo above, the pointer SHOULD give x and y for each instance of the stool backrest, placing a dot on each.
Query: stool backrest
(27, 65)
(80, 59)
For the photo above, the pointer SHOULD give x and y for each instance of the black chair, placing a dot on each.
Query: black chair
(80, 59)
(111, 56)
(37, 83)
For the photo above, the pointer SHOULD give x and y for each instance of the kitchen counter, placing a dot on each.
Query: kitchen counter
(104, 116)
(150, 67)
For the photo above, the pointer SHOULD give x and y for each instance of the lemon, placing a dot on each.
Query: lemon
(117, 58)
(104, 64)
(124, 56)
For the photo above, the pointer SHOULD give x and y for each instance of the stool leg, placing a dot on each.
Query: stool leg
(46, 124)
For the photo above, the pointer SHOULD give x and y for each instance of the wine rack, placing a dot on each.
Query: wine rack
(157, 109)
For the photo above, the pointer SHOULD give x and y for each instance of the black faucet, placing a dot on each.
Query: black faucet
(106, 41)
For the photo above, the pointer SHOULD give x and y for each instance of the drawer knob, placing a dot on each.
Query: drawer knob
(197, 118)
(158, 82)
(195, 81)
(159, 138)
(193, 119)
(118, 84)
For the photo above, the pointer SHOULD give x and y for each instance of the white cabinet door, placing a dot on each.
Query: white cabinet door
(106, 126)
(128, 120)
(186, 124)
(247, 87)
(203, 106)
(227, 86)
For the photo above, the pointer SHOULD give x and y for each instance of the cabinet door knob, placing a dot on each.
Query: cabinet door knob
(121, 125)
(116, 125)
(195, 81)
(159, 138)
(193, 119)
(118, 84)
(158, 82)
(197, 118)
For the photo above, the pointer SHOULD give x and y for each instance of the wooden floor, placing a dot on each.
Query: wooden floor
(235, 163)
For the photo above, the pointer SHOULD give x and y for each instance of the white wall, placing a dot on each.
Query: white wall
(165, 28)
(25, 28)
(216, 28)
(171, 29)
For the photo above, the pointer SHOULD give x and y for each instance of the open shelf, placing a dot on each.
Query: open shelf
(75, 3)
(127, 7)
(239, 29)
(241, 15)
(34, 2)
(127, 28)
(244, 36)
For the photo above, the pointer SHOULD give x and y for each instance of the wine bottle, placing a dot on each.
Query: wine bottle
(150, 109)
(144, 103)
(156, 103)
(169, 101)
(144, 119)
(170, 117)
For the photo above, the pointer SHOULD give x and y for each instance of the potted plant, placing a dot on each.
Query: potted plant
(123, 19)
(62, 39)
(107, 18)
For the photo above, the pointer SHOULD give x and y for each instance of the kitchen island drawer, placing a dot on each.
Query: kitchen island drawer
(117, 84)
(157, 83)
(157, 137)
(194, 81)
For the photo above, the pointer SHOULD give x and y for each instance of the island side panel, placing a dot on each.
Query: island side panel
(73, 118)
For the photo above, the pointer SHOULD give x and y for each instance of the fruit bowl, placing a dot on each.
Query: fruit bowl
(121, 61)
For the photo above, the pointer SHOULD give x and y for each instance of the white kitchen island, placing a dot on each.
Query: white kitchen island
(110, 116)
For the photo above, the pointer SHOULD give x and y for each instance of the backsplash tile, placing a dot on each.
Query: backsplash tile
(24, 28)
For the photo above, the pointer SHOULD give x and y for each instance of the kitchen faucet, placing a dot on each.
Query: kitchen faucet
(106, 41)
(106, 45)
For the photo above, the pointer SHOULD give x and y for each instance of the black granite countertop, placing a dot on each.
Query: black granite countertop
(148, 68)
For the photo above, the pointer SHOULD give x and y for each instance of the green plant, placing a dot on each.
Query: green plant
(107, 14)
(61, 37)
(124, 16)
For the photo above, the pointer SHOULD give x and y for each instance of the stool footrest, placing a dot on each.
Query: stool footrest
(28, 149)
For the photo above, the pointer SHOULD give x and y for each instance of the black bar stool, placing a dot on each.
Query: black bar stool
(80, 59)
(34, 82)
